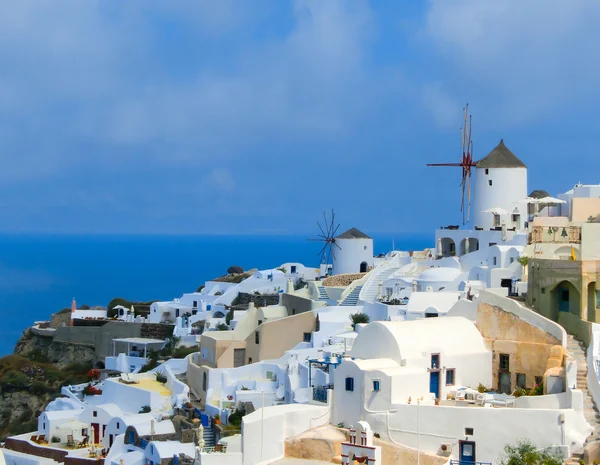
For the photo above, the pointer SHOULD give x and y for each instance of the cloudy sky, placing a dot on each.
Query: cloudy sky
(229, 116)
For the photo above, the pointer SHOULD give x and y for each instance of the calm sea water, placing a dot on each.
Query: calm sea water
(39, 275)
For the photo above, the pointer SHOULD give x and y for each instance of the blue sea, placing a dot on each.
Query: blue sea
(39, 275)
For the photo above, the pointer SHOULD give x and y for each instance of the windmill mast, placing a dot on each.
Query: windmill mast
(466, 163)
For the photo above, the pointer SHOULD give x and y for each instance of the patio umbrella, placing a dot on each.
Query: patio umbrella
(496, 211)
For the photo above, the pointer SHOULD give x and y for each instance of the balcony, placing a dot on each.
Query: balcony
(555, 235)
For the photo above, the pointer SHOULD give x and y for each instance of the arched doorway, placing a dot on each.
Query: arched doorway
(592, 303)
(363, 267)
(473, 245)
(448, 247)
(565, 299)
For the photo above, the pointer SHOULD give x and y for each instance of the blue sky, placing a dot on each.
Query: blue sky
(233, 116)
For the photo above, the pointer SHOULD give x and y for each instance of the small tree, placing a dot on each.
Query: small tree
(359, 317)
(526, 453)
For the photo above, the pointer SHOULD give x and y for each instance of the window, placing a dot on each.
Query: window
(256, 338)
(450, 377)
(293, 268)
(491, 244)
(176, 312)
(504, 362)
(349, 384)
(195, 304)
(543, 290)
(516, 218)
(249, 360)
(435, 361)
(94, 413)
(204, 382)
(521, 380)
(469, 431)
(118, 425)
(512, 259)
(376, 385)
(43, 426)
(365, 247)
(495, 260)
(490, 182)
(306, 337)
(487, 171)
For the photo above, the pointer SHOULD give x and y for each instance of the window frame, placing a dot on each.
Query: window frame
(349, 384)
(453, 371)
(501, 368)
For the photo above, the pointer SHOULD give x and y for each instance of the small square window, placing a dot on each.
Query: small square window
(450, 377)
(469, 431)
(306, 337)
(95, 413)
(376, 385)
(349, 384)
(490, 182)
(521, 380)
(504, 362)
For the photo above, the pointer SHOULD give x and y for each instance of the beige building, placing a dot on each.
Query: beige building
(562, 274)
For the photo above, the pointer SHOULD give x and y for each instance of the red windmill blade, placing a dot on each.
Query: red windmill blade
(466, 163)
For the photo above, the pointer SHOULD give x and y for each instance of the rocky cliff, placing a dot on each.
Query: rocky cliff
(33, 376)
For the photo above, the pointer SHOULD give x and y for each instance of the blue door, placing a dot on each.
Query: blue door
(467, 452)
(204, 419)
(434, 383)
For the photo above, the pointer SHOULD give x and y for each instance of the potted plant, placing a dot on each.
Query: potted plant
(217, 419)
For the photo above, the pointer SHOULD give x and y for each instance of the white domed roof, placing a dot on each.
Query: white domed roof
(441, 274)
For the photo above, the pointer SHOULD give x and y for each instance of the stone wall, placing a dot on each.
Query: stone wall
(25, 447)
(342, 280)
(243, 299)
(156, 331)
(527, 346)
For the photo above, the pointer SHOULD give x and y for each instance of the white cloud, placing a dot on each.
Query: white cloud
(523, 59)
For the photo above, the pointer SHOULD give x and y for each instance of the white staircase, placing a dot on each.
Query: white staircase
(209, 437)
(352, 298)
(323, 293)
(370, 290)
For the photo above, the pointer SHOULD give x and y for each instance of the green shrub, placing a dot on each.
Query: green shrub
(235, 418)
(78, 367)
(527, 453)
(221, 327)
(359, 317)
(15, 380)
(39, 388)
(145, 409)
(161, 378)
(36, 355)
(481, 388)
(182, 352)
(55, 439)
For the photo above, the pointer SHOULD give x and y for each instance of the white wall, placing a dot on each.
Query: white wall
(265, 440)
(353, 252)
(509, 186)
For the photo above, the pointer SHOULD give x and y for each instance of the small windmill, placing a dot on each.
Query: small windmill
(466, 163)
(327, 237)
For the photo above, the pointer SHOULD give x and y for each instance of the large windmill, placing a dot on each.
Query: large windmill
(466, 163)
(327, 237)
